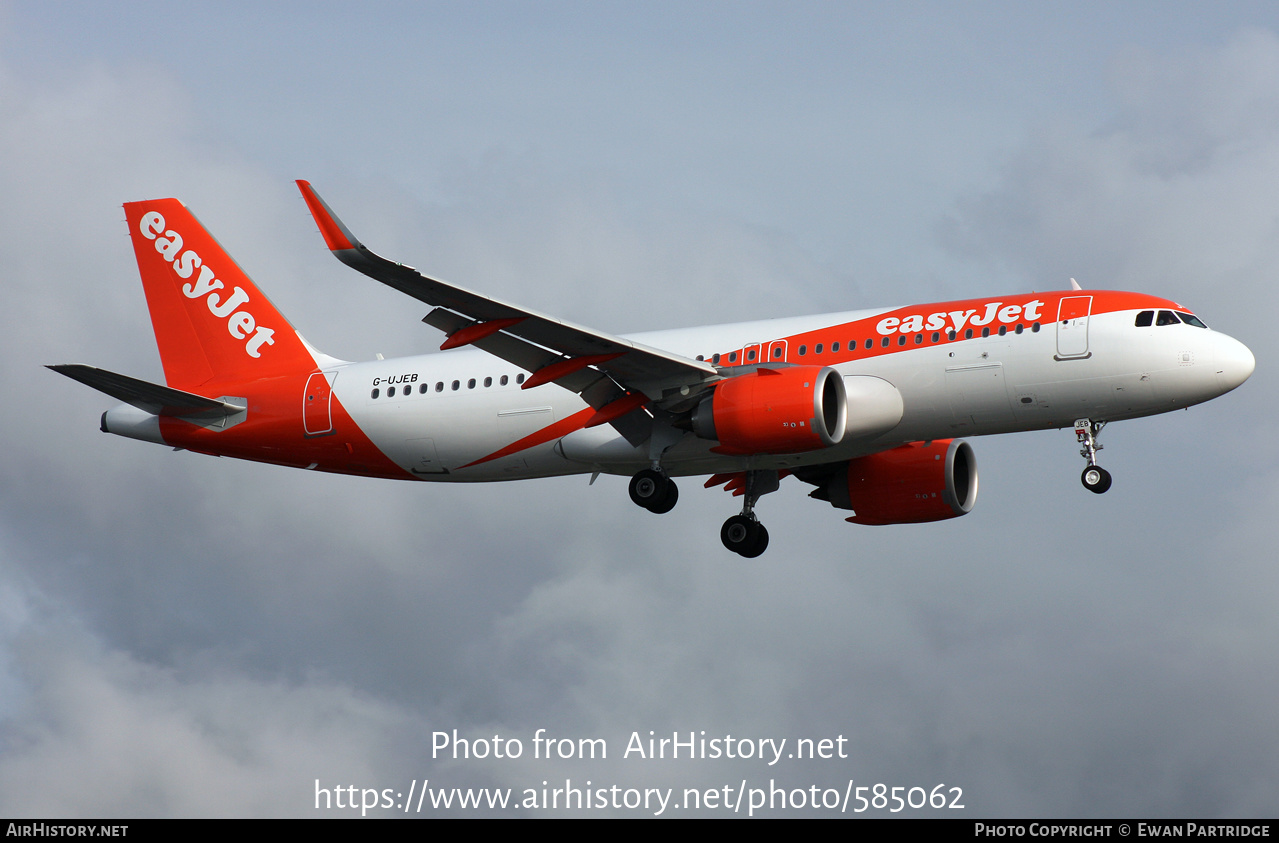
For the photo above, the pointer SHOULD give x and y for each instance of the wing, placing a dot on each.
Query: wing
(614, 375)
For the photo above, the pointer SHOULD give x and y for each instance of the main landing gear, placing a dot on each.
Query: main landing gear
(652, 488)
(1095, 478)
(743, 534)
(654, 491)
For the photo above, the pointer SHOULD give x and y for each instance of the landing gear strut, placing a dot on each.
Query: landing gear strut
(654, 491)
(743, 534)
(1095, 478)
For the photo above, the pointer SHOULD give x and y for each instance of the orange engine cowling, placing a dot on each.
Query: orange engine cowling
(911, 484)
(775, 411)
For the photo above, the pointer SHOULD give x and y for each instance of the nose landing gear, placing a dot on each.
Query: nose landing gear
(1095, 478)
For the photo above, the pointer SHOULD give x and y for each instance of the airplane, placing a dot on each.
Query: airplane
(865, 406)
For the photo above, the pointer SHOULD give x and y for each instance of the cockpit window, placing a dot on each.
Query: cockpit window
(1145, 319)
(1167, 317)
(1191, 319)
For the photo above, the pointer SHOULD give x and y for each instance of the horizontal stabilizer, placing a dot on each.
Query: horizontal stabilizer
(149, 397)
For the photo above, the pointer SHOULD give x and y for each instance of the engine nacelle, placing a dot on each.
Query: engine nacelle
(775, 411)
(915, 483)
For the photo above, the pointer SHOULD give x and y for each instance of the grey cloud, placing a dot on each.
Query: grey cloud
(184, 635)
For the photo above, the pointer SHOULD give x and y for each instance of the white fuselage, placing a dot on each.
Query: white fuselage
(472, 406)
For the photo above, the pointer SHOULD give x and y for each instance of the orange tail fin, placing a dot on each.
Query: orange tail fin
(211, 322)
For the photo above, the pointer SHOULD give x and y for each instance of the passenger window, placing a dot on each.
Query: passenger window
(1145, 319)
(504, 381)
(803, 349)
(1003, 329)
(968, 334)
(936, 336)
(884, 343)
(439, 386)
(422, 389)
(834, 348)
(715, 359)
(901, 339)
(456, 385)
(750, 355)
(870, 344)
(390, 393)
(519, 378)
(375, 393)
(732, 357)
(488, 382)
(1018, 329)
(817, 349)
(777, 353)
(919, 338)
(470, 384)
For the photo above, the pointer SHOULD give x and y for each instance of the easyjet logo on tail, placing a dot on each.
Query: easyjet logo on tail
(240, 323)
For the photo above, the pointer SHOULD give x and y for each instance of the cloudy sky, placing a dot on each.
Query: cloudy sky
(181, 635)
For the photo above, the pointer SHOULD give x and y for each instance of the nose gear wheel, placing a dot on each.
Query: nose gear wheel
(1095, 478)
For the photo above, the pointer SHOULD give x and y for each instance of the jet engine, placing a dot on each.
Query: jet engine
(911, 484)
(775, 411)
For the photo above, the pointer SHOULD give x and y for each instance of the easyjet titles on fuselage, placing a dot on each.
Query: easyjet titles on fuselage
(995, 310)
(240, 324)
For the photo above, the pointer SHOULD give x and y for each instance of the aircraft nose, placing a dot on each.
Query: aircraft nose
(1234, 362)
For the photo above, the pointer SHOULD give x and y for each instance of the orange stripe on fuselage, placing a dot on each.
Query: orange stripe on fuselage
(902, 326)
(273, 432)
(563, 427)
